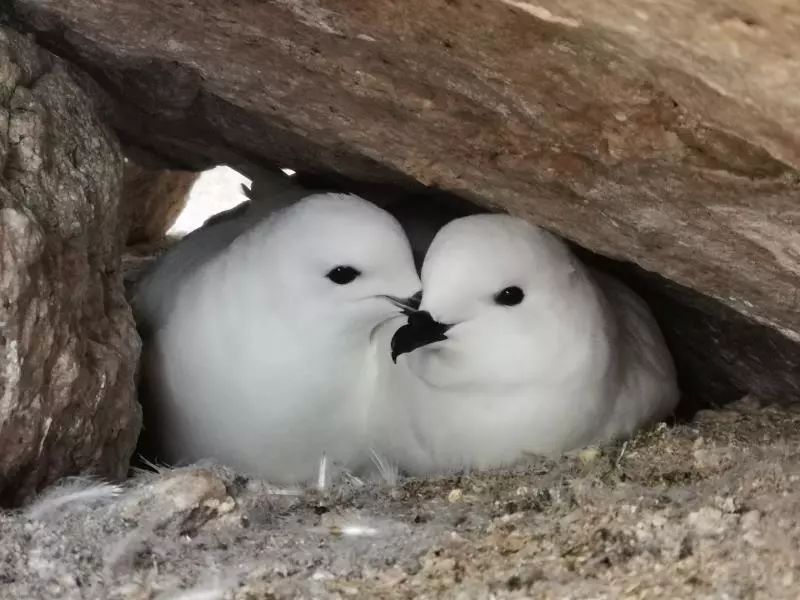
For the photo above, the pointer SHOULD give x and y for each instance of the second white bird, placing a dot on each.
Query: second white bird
(517, 348)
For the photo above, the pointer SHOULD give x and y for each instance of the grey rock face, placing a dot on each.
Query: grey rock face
(68, 346)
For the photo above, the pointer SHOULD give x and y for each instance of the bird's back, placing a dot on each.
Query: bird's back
(154, 295)
(646, 384)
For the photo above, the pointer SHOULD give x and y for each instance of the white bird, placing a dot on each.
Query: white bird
(517, 348)
(259, 358)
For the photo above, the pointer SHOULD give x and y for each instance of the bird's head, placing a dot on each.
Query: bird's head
(500, 307)
(337, 259)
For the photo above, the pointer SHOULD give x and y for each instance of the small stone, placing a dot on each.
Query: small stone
(589, 455)
(750, 520)
(707, 522)
(349, 590)
(226, 506)
(321, 575)
(455, 495)
(455, 538)
(727, 505)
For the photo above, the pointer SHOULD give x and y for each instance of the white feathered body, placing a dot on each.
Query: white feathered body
(261, 362)
(595, 367)
(153, 300)
(268, 398)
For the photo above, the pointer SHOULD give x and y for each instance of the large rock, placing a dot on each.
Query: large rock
(68, 347)
(665, 134)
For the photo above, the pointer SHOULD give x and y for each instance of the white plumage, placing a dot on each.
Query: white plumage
(487, 372)
(154, 296)
(256, 356)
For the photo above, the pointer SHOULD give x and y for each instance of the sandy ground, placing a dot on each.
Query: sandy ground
(707, 509)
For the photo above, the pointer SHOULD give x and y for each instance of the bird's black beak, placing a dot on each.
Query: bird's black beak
(420, 330)
(408, 306)
(414, 302)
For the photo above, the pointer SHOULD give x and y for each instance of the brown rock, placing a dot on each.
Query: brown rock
(153, 199)
(662, 134)
(68, 347)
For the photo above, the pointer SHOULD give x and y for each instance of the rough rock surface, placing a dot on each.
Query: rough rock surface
(702, 510)
(662, 134)
(635, 129)
(68, 347)
(152, 200)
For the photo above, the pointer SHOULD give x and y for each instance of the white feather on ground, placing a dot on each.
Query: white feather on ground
(73, 493)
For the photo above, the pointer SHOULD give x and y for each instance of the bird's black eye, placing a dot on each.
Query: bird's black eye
(343, 274)
(510, 296)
